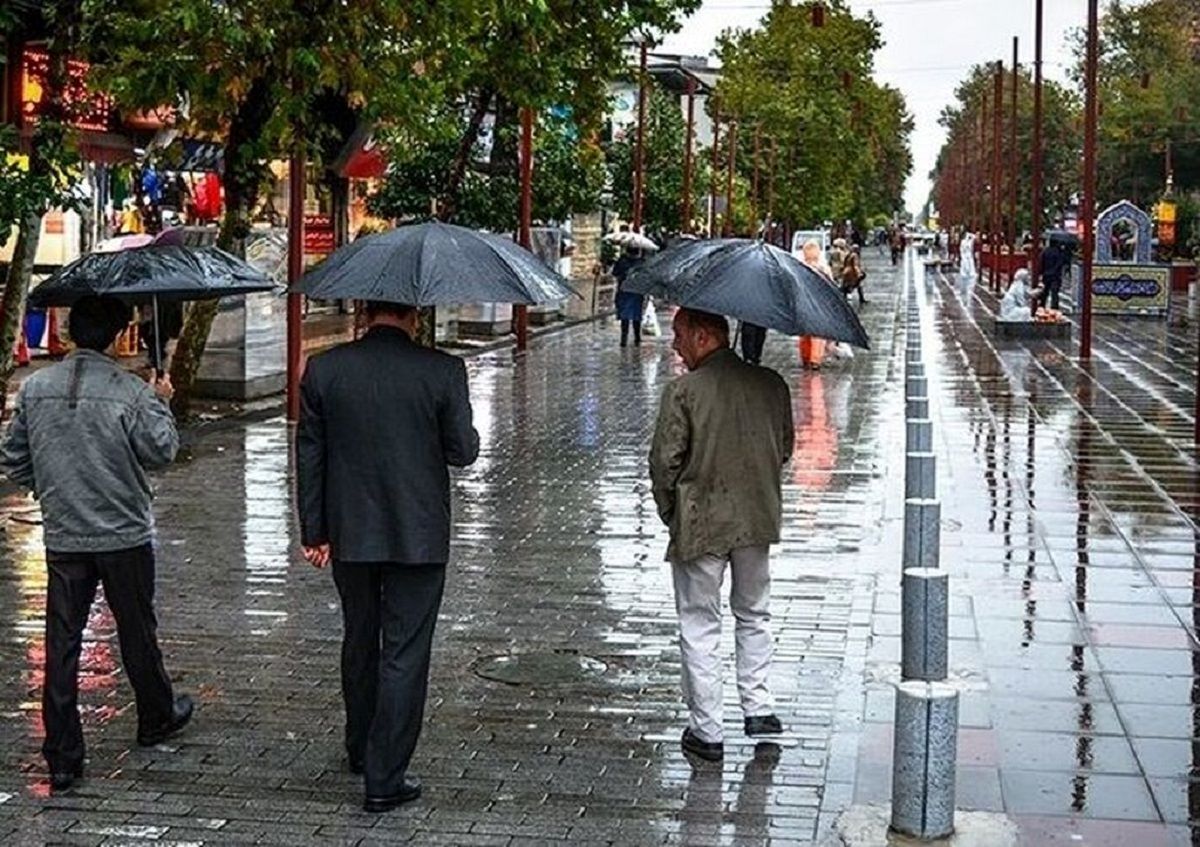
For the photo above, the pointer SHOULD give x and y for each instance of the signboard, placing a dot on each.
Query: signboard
(318, 235)
(1125, 289)
(86, 109)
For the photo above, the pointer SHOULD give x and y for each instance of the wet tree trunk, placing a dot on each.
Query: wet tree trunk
(16, 289)
(243, 178)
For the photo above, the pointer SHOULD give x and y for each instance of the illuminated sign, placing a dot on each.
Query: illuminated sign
(85, 109)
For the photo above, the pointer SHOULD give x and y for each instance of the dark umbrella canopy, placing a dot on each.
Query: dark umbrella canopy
(754, 282)
(165, 272)
(435, 264)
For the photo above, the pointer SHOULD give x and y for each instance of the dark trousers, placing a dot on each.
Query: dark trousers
(1052, 292)
(754, 338)
(128, 579)
(637, 332)
(388, 616)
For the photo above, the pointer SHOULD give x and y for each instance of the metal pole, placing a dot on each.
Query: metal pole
(639, 162)
(1088, 210)
(715, 170)
(1013, 178)
(997, 144)
(727, 229)
(1035, 255)
(295, 341)
(686, 224)
(524, 233)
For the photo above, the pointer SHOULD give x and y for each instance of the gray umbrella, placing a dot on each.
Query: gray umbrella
(754, 282)
(433, 264)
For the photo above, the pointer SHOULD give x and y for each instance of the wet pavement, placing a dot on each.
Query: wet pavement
(1069, 496)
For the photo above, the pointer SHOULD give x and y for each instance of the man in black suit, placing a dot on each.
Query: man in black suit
(381, 419)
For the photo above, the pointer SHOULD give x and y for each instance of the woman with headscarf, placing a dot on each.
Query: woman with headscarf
(812, 349)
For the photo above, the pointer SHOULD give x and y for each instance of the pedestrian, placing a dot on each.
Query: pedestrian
(812, 349)
(853, 276)
(966, 257)
(837, 259)
(723, 434)
(381, 418)
(629, 304)
(83, 436)
(754, 338)
(1055, 261)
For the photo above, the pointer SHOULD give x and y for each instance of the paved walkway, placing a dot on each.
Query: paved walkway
(1072, 615)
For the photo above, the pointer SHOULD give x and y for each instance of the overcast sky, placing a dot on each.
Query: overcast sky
(929, 46)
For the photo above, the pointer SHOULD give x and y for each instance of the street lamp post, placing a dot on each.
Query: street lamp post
(1035, 255)
(525, 230)
(1088, 209)
(685, 225)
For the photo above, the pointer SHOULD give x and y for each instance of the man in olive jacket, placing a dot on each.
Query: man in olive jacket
(381, 420)
(724, 432)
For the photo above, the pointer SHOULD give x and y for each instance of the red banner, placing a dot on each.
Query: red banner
(318, 235)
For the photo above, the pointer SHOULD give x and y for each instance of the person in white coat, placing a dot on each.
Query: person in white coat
(966, 257)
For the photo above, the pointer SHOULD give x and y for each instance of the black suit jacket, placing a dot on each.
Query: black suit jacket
(381, 418)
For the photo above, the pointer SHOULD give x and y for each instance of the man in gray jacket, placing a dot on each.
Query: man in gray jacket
(84, 433)
(724, 432)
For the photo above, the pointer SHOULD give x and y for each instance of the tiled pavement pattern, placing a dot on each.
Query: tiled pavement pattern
(1072, 619)
(557, 552)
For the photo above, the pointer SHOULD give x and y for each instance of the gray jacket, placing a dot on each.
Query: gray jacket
(724, 432)
(82, 438)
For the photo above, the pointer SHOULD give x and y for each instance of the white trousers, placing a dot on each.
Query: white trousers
(698, 601)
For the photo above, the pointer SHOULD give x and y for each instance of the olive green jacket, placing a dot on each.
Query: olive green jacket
(724, 432)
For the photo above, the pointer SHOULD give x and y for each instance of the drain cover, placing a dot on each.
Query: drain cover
(539, 668)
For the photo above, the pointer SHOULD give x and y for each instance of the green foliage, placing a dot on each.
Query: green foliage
(843, 138)
(665, 136)
(1062, 143)
(567, 177)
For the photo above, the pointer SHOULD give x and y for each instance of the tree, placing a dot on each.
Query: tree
(807, 84)
(252, 72)
(1061, 147)
(664, 139)
(40, 177)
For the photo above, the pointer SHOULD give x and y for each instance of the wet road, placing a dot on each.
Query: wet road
(1068, 502)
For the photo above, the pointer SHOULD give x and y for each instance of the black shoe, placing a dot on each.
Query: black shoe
(712, 751)
(181, 713)
(63, 780)
(410, 791)
(763, 725)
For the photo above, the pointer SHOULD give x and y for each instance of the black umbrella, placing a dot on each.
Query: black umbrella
(149, 274)
(433, 264)
(754, 282)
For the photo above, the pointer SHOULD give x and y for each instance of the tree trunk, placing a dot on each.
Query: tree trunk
(16, 289)
(243, 178)
(462, 159)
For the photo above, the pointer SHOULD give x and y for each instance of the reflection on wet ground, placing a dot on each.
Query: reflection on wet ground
(1069, 499)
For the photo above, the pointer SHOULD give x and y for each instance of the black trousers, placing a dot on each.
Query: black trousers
(128, 579)
(754, 338)
(637, 332)
(1052, 292)
(388, 615)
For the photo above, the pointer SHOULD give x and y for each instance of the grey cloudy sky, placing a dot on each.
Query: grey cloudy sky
(930, 45)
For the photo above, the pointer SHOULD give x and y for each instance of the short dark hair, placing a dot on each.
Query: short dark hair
(382, 308)
(95, 322)
(715, 324)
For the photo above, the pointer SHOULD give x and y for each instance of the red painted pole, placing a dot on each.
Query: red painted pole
(524, 232)
(997, 145)
(685, 225)
(1035, 256)
(1088, 207)
(295, 331)
(1013, 178)
(639, 163)
(754, 192)
(727, 229)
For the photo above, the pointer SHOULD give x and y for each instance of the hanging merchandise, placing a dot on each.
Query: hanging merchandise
(207, 197)
(151, 185)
